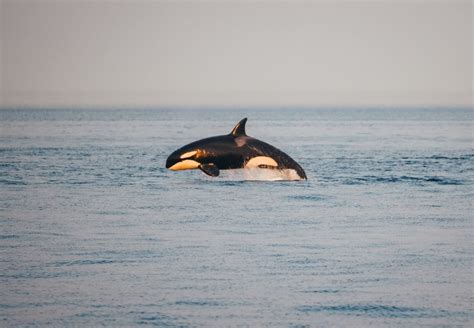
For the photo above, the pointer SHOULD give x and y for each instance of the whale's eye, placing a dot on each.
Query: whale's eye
(188, 154)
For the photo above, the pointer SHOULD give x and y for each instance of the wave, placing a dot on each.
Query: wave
(370, 179)
(12, 182)
(380, 310)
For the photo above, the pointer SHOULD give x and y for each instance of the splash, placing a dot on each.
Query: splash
(259, 174)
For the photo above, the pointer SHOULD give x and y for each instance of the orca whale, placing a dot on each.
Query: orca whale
(235, 150)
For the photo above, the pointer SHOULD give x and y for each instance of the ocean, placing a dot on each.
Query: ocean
(96, 231)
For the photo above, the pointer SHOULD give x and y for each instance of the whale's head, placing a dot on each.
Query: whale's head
(185, 158)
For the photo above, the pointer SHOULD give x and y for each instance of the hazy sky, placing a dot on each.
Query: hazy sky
(155, 53)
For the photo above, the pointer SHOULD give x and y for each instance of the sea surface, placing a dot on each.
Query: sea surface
(95, 231)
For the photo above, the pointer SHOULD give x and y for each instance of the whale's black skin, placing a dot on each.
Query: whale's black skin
(232, 151)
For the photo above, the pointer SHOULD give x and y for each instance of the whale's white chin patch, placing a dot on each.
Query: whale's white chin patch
(187, 164)
(261, 160)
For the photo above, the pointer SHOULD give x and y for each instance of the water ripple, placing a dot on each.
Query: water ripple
(380, 310)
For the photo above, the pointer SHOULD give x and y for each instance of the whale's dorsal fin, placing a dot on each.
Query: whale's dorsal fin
(239, 129)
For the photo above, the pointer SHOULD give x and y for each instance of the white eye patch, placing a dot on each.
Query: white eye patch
(188, 154)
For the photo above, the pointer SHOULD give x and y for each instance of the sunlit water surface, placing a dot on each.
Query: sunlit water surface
(94, 229)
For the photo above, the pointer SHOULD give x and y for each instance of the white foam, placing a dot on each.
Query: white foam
(259, 174)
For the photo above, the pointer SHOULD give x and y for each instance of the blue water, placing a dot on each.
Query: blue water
(95, 231)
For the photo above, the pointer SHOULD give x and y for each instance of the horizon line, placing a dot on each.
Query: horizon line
(237, 107)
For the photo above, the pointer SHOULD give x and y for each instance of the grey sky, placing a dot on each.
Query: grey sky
(145, 53)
